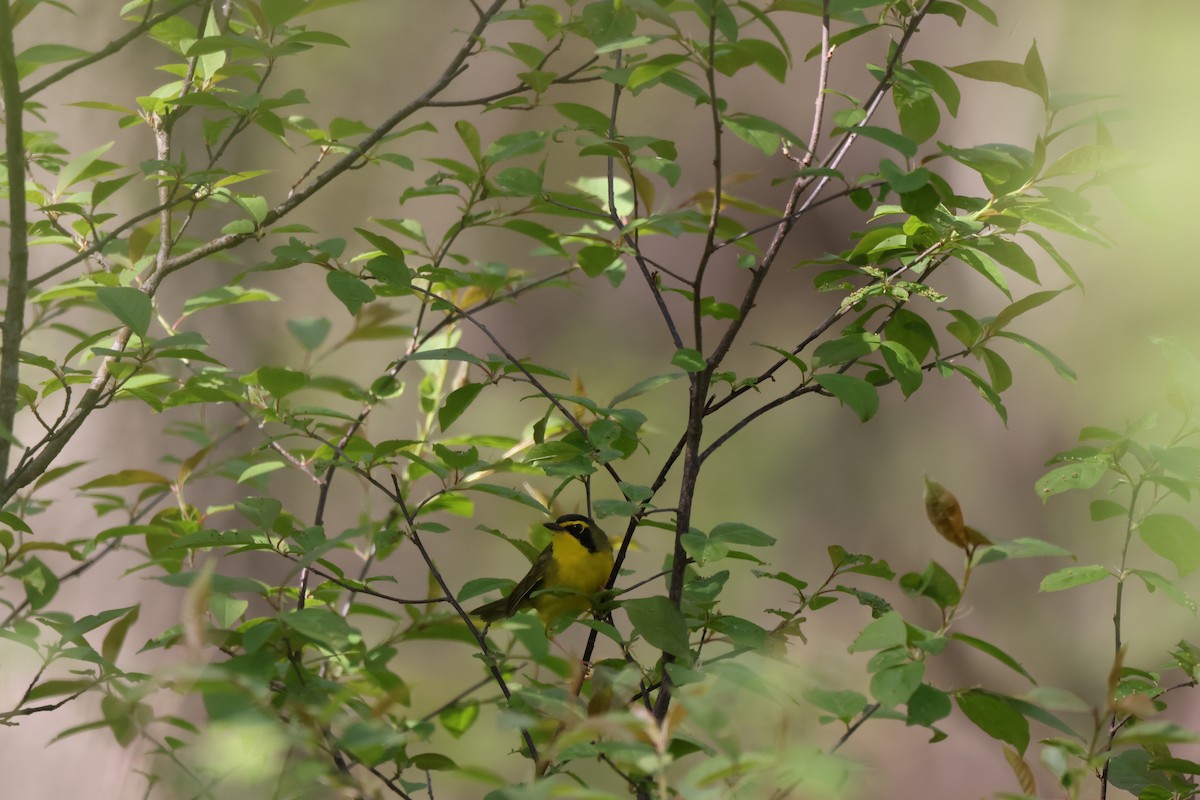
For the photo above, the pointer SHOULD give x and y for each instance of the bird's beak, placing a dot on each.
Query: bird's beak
(554, 526)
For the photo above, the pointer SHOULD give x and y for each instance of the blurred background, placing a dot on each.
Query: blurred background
(809, 474)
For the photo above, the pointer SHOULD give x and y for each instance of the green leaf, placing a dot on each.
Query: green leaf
(591, 119)
(280, 381)
(740, 533)
(1154, 582)
(126, 477)
(455, 459)
(1155, 733)
(1086, 158)
(1002, 72)
(1023, 547)
(786, 355)
(310, 332)
(982, 10)
(69, 175)
(847, 347)
(56, 688)
(1011, 255)
(927, 705)
(1106, 509)
(645, 72)
(860, 396)
(643, 386)
(903, 182)
(913, 332)
(508, 493)
(899, 142)
(920, 118)
(710, 307)
(982, 263)
(1174, 538)
(993, 651)
(1070, 577)
(445, 354)
(844, 704)
(40, 582)
(1057, 363)
(457, 402)
(689, 360)
(1075, 475)
(470, 138)
(224, 296)
(1182, 460)
(353, 292)
(30, 59)
(434, 761)
(322, 626)
(1056, 699)
(895, 685)
(760, 132)
(886, 632)
(1063, 264)
(515, 145)
(942, 83)
(256, 470)
(1027, 303)
(613, 508)
(996, 717)
(661, 624)
(459, 718)
(1036, 73)
(935, 583)
(14, 522)
(130, 305)
(999, 373)
(903, 365)
(840, 38)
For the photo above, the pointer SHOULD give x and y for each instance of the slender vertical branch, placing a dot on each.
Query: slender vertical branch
(794, 208)
(18, 245)
(814, 137)
(634, 240)
(714, 216)
(1114, 724)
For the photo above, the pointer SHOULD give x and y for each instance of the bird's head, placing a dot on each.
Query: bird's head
(583, 529)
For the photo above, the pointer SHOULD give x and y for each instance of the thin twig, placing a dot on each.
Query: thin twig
(716, 405)
(346, 162)
(115, 46)
(37, 464)
(867, 713)
(633, 240)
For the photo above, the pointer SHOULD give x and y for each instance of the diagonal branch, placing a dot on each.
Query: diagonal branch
(115, 46)
(346, 162)
(91, 398)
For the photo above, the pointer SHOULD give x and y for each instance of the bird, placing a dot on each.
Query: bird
(577, 561)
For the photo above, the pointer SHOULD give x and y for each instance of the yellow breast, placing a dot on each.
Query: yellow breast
(573, 567)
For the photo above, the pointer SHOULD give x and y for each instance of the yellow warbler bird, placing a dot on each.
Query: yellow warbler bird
(577, 561)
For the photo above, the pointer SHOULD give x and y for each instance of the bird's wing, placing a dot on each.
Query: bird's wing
(531, 582)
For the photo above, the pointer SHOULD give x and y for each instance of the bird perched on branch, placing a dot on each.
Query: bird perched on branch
(575, 564)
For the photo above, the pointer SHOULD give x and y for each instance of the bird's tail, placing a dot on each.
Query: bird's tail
(490, 612)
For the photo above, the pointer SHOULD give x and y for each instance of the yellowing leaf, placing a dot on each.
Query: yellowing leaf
(945, 514)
